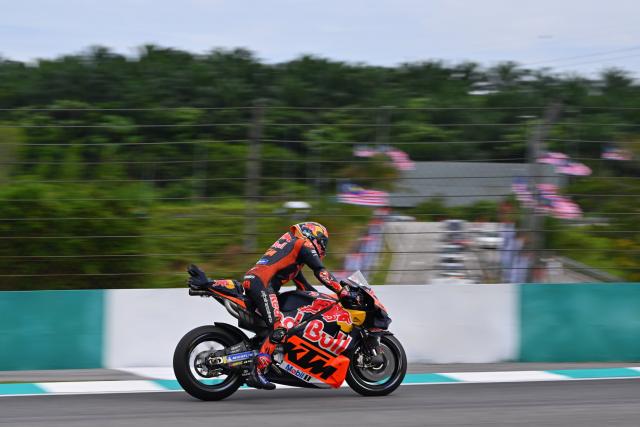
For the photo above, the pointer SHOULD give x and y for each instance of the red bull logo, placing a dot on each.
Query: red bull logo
(337, 314)
(334, 314)
(225, 284)
(314, 332)
(290, 322)
(316, 306)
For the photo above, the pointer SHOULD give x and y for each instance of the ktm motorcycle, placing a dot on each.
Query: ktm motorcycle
(328, 341)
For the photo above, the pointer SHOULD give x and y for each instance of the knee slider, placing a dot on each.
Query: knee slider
(278, 335)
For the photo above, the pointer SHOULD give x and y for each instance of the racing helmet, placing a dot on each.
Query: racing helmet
(316, 233)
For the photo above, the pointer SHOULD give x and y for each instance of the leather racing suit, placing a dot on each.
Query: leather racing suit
(282, 263)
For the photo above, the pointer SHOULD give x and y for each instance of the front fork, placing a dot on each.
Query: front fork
(371, 351)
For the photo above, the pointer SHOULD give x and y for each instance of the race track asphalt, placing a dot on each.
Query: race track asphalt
(577, 403)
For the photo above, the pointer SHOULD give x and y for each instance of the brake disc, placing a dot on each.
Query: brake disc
(378, 373)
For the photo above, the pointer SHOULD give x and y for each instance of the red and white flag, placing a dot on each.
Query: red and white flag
(356, 195)
(401, 159)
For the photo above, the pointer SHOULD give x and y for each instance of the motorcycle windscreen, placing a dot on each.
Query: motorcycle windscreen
(315, 362)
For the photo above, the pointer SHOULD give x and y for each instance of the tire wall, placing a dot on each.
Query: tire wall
(435, 323)
(51, 329)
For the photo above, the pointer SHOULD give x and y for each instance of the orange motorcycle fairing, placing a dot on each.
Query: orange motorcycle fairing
(316, 362)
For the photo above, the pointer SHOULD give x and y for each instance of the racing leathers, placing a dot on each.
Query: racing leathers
(282, 263)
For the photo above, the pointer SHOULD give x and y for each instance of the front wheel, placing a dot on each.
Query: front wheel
(193, 374)
(369, 380)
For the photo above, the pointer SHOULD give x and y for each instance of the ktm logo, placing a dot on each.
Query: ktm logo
(309, 358)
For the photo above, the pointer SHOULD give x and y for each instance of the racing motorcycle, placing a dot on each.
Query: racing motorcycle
(328, 341)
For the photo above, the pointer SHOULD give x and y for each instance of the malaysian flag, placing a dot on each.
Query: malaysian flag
(364, 151)
(400, 159)
(612, 153)
(521, 188)
(559, 207)
(574, 168)
(547, 201)
(564, 165)
(554, 204)
(553, 158)
(356, 195)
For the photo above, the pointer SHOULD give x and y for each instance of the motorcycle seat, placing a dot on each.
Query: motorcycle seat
(291, 300)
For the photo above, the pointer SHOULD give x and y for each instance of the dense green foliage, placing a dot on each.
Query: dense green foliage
(138, 145)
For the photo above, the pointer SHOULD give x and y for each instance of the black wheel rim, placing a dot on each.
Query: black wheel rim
(201, 346)
(379, 377)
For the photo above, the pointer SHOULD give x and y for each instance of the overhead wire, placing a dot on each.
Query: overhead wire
(268, 197)
(241, 272)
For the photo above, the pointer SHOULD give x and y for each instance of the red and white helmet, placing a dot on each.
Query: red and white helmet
(316, 233)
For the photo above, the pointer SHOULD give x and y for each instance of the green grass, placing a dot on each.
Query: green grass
(379, 277)
(211, 235)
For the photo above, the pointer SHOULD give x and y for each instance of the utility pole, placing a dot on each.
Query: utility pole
(252, 185)
(383, 121)
(199, 175)
(534, 223)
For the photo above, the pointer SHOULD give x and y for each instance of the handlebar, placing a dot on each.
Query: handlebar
(194, 292)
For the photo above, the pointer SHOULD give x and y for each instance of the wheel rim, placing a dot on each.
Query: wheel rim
(378, 377)
(202, 374)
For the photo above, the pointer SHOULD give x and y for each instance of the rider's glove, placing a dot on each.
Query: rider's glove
(278, 335)
(348, 295)
(344, 292)
(197, 278)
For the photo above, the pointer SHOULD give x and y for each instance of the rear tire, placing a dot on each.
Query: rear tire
(182, 364)
(364, 380)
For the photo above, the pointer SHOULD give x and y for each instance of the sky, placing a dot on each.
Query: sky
(583, 36)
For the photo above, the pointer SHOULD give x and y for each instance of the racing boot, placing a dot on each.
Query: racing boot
(257, 378)
(263, 360)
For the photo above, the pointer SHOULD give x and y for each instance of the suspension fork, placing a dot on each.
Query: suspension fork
(371, 346)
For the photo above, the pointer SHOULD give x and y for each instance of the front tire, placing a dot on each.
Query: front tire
(187, 376)
(382, 380)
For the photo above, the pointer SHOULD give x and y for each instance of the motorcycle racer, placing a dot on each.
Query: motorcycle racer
(304, 244)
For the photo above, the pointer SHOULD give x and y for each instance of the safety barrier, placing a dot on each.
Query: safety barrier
(436, 323)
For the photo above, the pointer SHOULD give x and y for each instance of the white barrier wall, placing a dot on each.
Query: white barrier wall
(435, 323)
(454, 323)
(143, 326)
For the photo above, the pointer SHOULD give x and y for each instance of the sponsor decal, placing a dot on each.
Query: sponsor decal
(310, 359)
(296, 372)
(324, 276)
(267, 306)
(262, 261)
(289, 322)
(375, 298)
(314, 332)
(335, 314)
(225, 284)
(249, 277)
(316, 306)
(279, 245)
(276, 305)
(240, 356)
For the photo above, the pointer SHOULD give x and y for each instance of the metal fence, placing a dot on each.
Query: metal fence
(318, 165)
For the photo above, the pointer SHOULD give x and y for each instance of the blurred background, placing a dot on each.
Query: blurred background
(118, 171)
(439, 144)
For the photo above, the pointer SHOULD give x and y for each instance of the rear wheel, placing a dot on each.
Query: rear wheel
(194, 375)
(381, 379)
